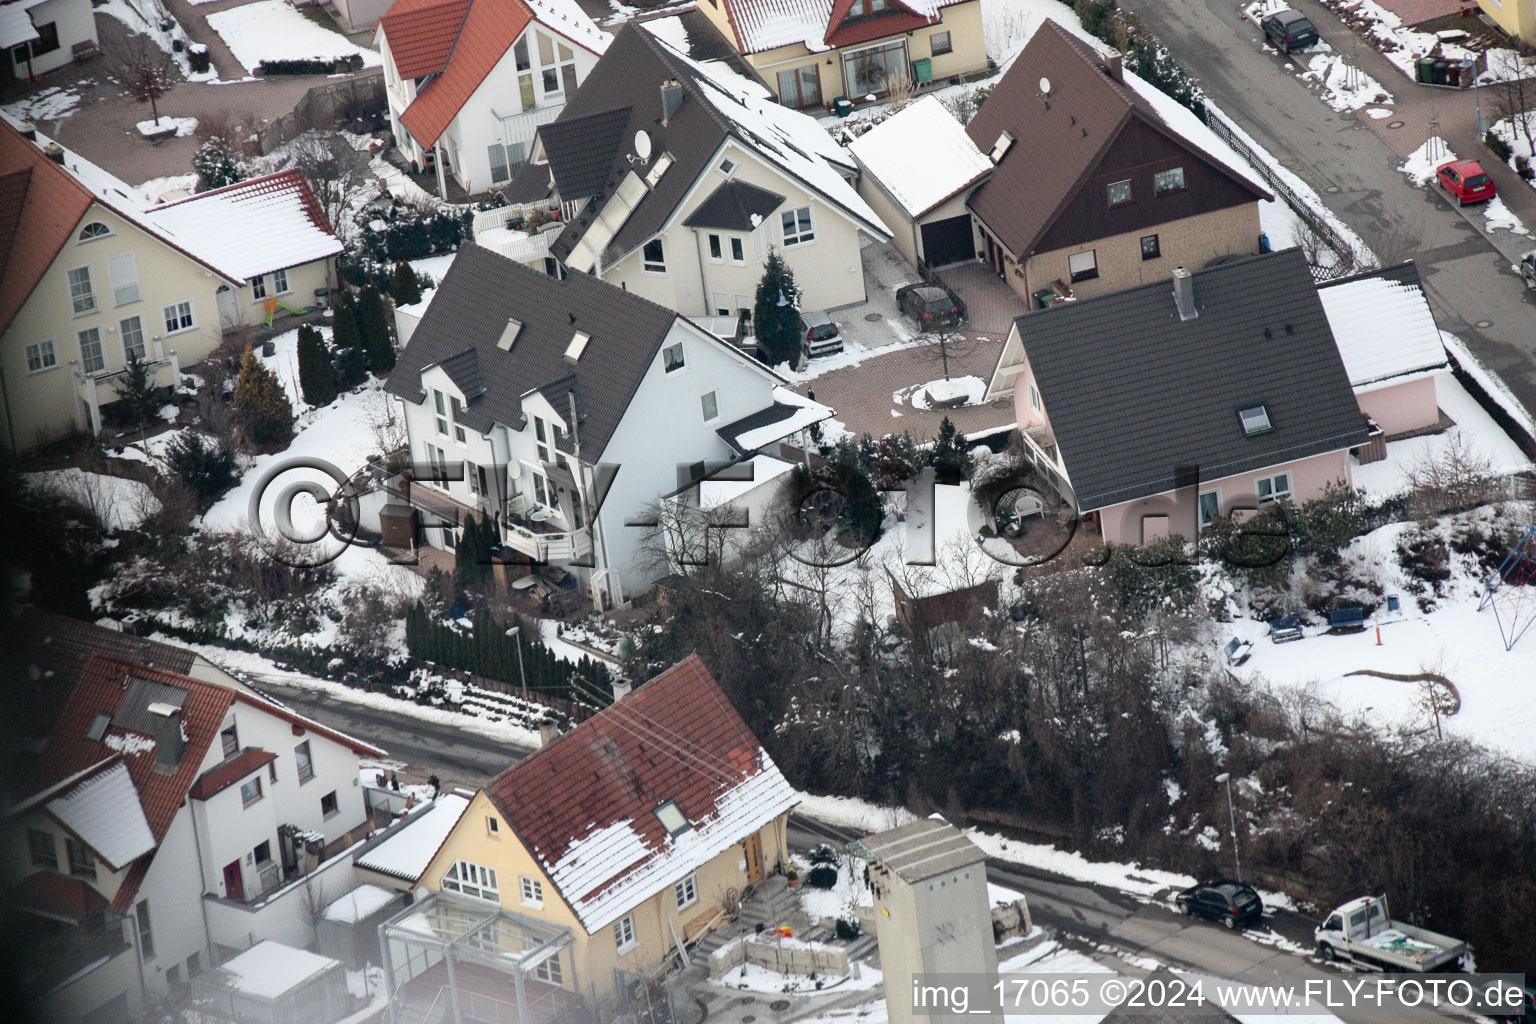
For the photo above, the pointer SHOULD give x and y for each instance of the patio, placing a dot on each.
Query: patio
(990, 305)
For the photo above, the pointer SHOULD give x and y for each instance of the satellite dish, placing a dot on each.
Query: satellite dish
(1045, 86)
(643, 144)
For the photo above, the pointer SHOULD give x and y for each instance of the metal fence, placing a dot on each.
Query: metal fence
(1343, 251)
(327, 106)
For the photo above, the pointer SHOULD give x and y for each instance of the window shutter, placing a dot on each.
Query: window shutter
(124, 274)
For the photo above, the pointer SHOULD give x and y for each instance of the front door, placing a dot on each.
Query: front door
(234, 885)
(229, 307)
(754, 848)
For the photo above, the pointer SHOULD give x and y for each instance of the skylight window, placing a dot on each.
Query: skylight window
(658, 169)
(1255, 419)
(577, 346)
(673, 819)
(1001, 146)
(509, 334)
(98, 727)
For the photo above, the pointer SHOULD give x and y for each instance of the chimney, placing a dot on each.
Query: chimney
(1184, 294)
(621, 688)
(55, 152)
(169, 741)
(28, 131)
(671, 98)
(549, 730)
(1113, 65)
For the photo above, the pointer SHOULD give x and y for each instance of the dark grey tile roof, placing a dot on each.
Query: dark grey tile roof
(1134, 394)
(732, 206)
(483, 290)
(463, 368)
(582, 150)
(762, 418)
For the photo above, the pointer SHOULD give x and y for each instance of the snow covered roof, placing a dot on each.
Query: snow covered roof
(766, 24)
(270, 970)
(1382, 324)
(602, 841)
(252, 227)
(360, 904)
(15, 26)
(104, 811)
(722, 488)
(790, 413)
(405, 850)
(950, 161)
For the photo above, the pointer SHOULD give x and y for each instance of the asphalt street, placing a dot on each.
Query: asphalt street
(1466, 277)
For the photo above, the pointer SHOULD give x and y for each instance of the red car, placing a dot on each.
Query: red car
(1465, 181)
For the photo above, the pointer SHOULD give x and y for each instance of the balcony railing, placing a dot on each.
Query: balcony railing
(545, 542)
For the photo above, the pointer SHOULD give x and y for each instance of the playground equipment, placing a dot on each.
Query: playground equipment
(274, 304)
(1511, 592)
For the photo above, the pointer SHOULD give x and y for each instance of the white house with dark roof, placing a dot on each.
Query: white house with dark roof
(673, 182)
(564, 409)
(41, 35)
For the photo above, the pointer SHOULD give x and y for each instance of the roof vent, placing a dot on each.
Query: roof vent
(1001, 146)
(1184, 293)
(509, 334)
(169, 739)
(671, 98)
(55, 152)
(1255, 419)
(28, 131)
(98, 727)
(577, 346)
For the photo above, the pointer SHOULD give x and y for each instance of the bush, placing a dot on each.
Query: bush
(1156, 575)
(378, 341)
(824, 854)
(198, 59)
(261, 404)
(202, 464)
(848, 928)
(823, 876)
(311, 66)
(317, 377)
(1496, 146)
(406, 286)
(215, 165)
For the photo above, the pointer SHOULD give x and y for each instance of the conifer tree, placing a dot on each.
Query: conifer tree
(347, 345)
(950, 456)
(261, 404)
(777, 327)
(136, 392)
(407, 289)
(378, 341)
(317, 377)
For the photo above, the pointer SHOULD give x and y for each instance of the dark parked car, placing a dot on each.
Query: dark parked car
(931, 305)
(1288, 30)
(1231, 903)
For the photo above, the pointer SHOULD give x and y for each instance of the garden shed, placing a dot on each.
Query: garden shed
(271, 983)
(349, 931)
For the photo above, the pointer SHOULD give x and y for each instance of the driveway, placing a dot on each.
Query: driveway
(1474, 293)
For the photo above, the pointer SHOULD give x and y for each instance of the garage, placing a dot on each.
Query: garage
(947, 241)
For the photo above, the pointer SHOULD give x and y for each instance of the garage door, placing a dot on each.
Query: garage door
(948, 241)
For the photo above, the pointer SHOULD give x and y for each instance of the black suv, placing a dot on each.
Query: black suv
(1288, 30)
(931, 305)
(1231, 903)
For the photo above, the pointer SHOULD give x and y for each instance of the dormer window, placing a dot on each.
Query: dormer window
(1001, 146)
(1255, 419)
(866, 8)
(673, 819)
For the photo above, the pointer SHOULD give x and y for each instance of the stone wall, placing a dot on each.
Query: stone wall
(790, 957)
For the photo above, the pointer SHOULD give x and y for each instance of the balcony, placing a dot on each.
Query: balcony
(546, 539)
(522, 232)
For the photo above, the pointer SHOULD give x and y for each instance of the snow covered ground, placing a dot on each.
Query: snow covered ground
(1398, 43)
(120, 503)
(1421, 163)
(1344, 87)
(184, 125)
(274, 30)
(1514, 137)
(1501, 218)
(48, 105)
(129, 14)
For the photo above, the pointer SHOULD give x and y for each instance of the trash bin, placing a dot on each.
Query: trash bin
(1468, 72)
(1264, 243)
(1392, 603)
(1044, 297)
(842, 106)
(1426, 70)
(922, 69)
(1439, 72)
(1453, 73)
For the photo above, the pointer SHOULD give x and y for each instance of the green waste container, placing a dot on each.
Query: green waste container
(1044, 297)
(842, 106)
(1426, 70)
(922, 69)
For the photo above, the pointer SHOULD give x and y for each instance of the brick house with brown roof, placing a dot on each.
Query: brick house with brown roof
(167, 820)
(632, 831)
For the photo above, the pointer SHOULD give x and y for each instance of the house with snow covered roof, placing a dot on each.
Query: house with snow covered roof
(674, 181)
(563, 410)
(93, 274)
(613, 845)
(811, 52)
(169, 823)
(468, 81)
(1099, 183)
(42, 35)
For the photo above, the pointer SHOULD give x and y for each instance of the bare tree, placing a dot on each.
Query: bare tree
(385, 421)
(146, 72)
(313, 902)
(1455, 478)
(1514, 80)
(329, 166)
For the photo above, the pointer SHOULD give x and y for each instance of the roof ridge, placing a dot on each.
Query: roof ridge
(689, 80)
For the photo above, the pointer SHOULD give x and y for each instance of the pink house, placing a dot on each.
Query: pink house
(1160, 407)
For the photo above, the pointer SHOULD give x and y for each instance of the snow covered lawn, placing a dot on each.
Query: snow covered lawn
(1420, 165)
(1501, 218)
(274, 30)
(1344, 87)
(49, 105)
(120, 503)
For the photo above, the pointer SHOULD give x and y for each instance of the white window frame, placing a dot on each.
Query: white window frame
(1034, 398)
(280, 284)
(45, 354)
(125, 290)
(685, 891)
(721, 308)
(738, 255)
(83, 303)
(455, 411)
(791, 231)
(1200, 514)
(101, 353)
(1276, 492)
(707, 399)
(440, 408)
(549, 971)
(727, 166)
(532, 891)
(714, 247)
(258, 287)
(105, 232)
(654, 267)
(493, 826)
(473, 880)
(173, 314)
(624, 934)
(122, 333)
(681, 355)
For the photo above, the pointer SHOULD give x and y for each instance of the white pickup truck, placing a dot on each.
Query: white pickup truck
(1362, 932)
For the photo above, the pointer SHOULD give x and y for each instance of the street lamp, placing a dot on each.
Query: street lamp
(516, 632)
(1226, 777)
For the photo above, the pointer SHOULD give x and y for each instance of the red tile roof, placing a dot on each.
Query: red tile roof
(221, 777)
(895, 19)
(49, 209)
(71, 897)
(421, 34)
(598, 788)
(490, 28)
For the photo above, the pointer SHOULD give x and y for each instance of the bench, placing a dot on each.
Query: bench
(84, 51)
(1236, 651)
(1346, 620)
(1285, 629)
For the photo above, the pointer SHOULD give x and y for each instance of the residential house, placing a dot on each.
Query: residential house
(170, 821)
(923, 201)
(606, 850)
(468, 81)
(814, 51)
(1095, 188)
(674, 182)
(93, 274)
(1516, 18)
(43, 35)
(1161, 407)
(544, 404)
(1390, 344)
